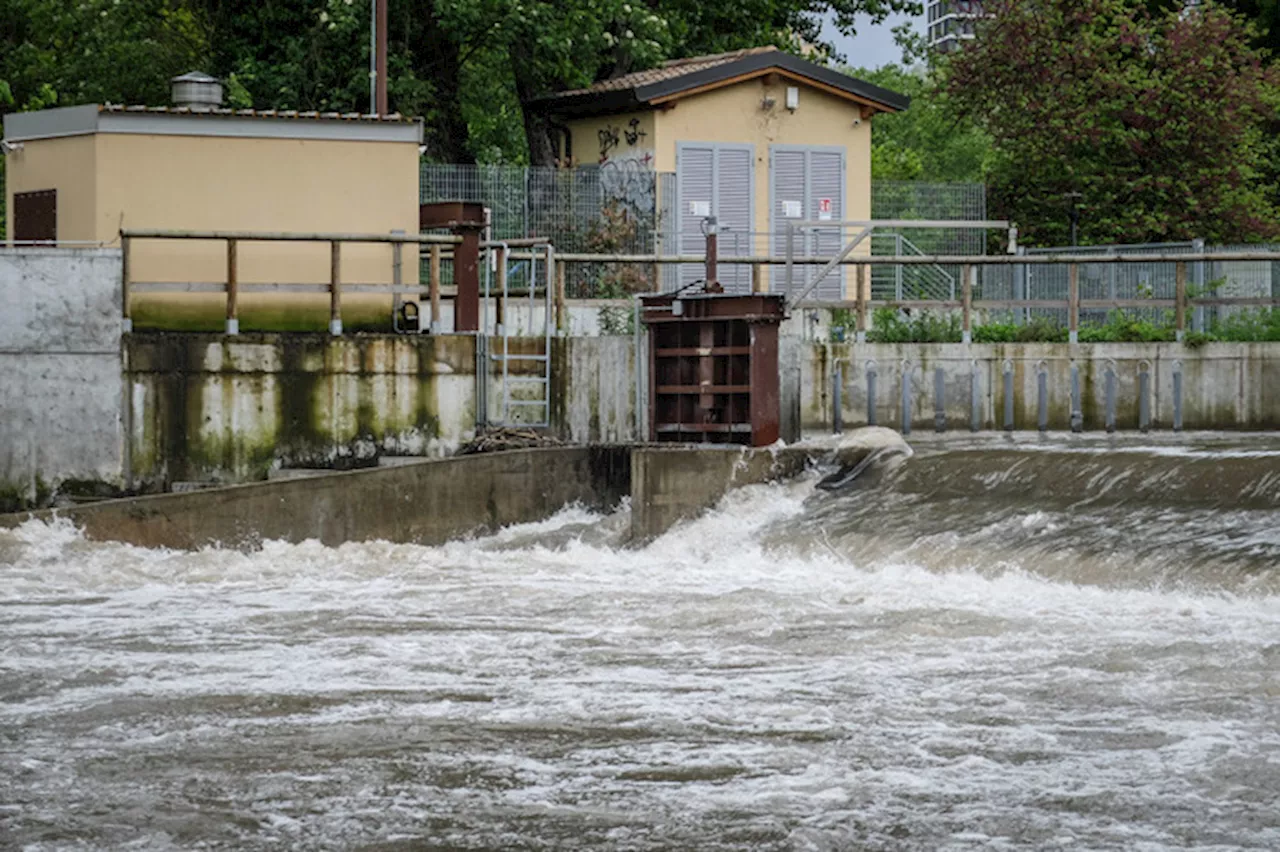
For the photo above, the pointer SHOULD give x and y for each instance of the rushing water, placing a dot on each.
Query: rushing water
(1032, 647)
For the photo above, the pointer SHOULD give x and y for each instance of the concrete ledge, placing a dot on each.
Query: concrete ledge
(429, 502)
(670, 484)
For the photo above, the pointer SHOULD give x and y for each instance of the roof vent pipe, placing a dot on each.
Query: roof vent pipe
(197, 92)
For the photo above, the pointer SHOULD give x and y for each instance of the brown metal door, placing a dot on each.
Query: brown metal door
(35, 216)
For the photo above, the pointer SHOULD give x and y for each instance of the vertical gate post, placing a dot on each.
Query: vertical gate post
(966, 295)
(233, 290)
(126, 311)
(1180, 297)
(433, 285)
(335, 288)
(1073, 303)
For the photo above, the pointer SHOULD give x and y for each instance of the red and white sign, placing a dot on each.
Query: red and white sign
(824, 209)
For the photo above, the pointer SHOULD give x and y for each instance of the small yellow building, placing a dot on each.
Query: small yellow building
(81, 174)
(755, 137)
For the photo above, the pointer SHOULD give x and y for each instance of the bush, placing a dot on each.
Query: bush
(891, 326)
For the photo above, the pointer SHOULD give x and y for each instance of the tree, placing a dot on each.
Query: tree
(59, 54)
(928, 141)
(1157, 121)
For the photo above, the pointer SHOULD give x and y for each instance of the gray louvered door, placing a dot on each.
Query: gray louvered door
(715, 180)
(801, 178)
(734, 176)
(787, 177)
(826, 184)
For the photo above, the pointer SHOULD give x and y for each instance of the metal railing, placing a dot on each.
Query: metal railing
(232, 287)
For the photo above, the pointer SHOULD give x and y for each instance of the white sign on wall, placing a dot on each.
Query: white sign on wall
(791, 210)
(824, 209)
(699, 208)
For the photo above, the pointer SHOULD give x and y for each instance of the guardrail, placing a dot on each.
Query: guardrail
(861, 303)
(232, 286)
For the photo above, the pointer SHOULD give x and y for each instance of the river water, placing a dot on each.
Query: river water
(1009, 646)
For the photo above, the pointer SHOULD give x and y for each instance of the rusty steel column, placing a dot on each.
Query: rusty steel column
(466, 220)
(335, 288)
(233, 290)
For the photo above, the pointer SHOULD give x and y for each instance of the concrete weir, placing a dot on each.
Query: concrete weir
(433, 501)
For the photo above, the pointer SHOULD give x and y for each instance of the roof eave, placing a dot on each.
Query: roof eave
(668, 89)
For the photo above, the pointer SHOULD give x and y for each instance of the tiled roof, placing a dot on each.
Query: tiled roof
(666, 71)
(698, 73)
(395, 118)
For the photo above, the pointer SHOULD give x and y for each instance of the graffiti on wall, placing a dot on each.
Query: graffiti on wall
(631, 182)
(611, 137)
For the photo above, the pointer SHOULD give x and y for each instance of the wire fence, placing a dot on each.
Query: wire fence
(623, 208)
(1109, 281)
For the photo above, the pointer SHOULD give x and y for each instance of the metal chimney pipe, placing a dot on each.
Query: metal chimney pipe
(381, 70)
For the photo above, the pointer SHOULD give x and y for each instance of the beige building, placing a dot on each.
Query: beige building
(81, 174)
(755, 138)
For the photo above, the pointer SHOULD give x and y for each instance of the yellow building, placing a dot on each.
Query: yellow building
(755, 137)
(81, 174)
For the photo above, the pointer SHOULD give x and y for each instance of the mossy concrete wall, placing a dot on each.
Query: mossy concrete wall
(1233, 386)
(212, 408)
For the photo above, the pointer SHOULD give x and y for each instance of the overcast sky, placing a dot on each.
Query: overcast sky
(873, 46)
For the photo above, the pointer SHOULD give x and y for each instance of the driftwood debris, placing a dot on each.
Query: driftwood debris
(507, 438)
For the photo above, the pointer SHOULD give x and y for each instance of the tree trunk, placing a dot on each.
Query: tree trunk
(537, 127)
(436, 57)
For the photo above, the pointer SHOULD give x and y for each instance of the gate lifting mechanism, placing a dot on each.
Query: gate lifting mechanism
(526, 393)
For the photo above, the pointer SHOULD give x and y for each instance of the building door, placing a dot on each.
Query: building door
(715, 179)
(35, 216)
(807, 184)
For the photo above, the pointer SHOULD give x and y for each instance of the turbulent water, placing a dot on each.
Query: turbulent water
(1004, 646)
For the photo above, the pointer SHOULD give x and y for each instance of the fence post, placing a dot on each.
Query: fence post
(1073, 303)
(966, 295)
(335, 288)
(656, 272)
(562, 308)
(861, 335)
(233, 290)
(1180, 297)
(126, 314)
(1197, 315)
(500, 307)
(433, 285)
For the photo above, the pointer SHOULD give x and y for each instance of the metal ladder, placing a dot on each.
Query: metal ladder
(513, 407)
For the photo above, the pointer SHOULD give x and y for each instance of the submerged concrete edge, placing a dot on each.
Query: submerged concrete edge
(437, 500)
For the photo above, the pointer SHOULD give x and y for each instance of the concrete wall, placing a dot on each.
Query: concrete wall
(67, 165)
(669, 485)
(613, 138)
(60, 381)
(1225, 385)
(230, 409)
(428, 502)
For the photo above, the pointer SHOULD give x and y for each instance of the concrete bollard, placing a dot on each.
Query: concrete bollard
(1007, 367)
(871, 393)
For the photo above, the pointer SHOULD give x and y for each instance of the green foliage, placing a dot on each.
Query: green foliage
(468, 67)
(1121, 328)
(60, 54)
(929, 141)
(1038, 330)
(892, 326)
(1104, 99)
(1249, 327)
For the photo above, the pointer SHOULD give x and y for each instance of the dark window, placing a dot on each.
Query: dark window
(35, 216)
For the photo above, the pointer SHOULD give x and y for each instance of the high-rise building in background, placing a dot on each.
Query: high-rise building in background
(952, 21)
